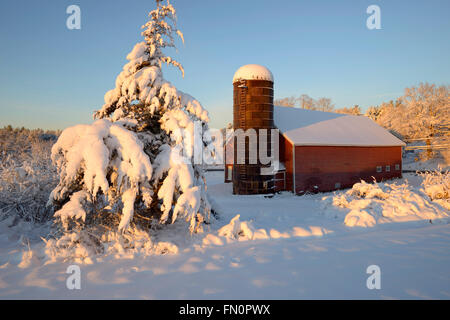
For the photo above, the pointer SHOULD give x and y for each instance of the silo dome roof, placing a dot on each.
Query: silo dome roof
(253, 72)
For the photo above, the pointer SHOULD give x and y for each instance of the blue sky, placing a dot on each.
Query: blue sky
(52, 77)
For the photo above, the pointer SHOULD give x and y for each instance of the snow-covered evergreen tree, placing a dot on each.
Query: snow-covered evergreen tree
(138, 156)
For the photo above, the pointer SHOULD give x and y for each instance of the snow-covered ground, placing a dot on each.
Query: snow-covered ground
(284, 247)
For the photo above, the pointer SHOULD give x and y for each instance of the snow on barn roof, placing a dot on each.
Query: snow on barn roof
(253, 72)
(309, 127)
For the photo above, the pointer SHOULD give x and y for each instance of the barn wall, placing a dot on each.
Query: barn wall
(325, 166)
(285, 150)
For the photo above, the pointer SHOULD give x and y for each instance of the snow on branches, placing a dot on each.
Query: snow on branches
(422, 112)
(85, 154)
(142, 154)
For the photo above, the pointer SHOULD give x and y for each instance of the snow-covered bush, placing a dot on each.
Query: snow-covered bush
(436, 185)
(137, 164)
(366, 205)
(365, 190)
(26, 174)
(237, 229)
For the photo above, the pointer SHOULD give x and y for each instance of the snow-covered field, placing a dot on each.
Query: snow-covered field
(284, 247)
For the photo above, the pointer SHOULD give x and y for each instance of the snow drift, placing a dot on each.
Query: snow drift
(371, 204)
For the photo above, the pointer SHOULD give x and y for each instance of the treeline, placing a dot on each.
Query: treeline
(422, 112)
(14, 140)
(322, 104)
(420, 116)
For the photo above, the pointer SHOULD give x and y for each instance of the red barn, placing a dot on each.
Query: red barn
(324, 151)
(318, 151)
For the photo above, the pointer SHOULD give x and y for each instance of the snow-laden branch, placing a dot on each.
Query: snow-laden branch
(85, 154)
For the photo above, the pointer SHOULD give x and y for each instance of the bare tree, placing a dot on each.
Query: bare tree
(286, 102)
(306, 102)
(324, 104)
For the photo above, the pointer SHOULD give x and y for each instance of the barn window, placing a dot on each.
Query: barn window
(230, 173)
(397, 167)
(337, 185)
(379, 168)
(388, 168)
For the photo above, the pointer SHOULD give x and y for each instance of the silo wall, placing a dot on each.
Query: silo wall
(252, 109)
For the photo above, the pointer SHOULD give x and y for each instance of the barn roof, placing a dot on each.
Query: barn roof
(309, 127)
